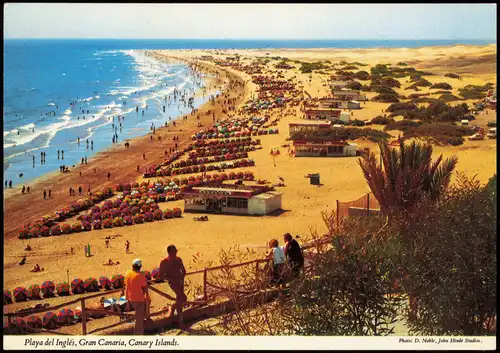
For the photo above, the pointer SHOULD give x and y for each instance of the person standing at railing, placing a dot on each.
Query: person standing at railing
(278, 270)
(136, 293)
(172, 269)
(293, 254)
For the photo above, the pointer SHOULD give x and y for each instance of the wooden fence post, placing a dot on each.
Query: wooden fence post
(205, 284)
(338, 212)
(84, 318)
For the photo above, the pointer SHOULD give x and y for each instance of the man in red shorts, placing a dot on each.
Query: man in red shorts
(172, 269)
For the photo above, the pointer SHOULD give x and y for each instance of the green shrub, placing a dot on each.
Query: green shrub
(452, 75)
(382, 120)
(449, 98)
(355, 85)
(439, 133)
(341, 134)
(402, 64)
(475, 92)
(386, 98)
(402, 125)
(401, 106)
(441, 85)
(362, 75)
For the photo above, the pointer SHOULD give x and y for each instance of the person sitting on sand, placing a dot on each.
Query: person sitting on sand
(23, 261)
(28, 248)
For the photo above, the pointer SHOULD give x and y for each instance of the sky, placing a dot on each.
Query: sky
(250, 21)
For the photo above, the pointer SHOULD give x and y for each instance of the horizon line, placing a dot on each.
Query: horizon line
(262, 39)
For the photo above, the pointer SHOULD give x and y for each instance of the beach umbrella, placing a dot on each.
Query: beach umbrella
(105, 283)
(34, 321)
(91, 285)
(34, 291)
(49, 320)
(124, 304)
(78, 313)
(147, 274)
(117, 281)
(155, 273)
(20, 294)
(48, 288)
(7, 297)
(63, 288)
(18, 322)
(109, 302)
(66, 317)
(77, 286)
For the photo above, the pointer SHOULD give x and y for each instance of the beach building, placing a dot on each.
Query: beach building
(322, 114)
(338, 84)
(339, 104)
(345, 117)
(231, 199)
(306, 125)
(312, 147)
(348, 95)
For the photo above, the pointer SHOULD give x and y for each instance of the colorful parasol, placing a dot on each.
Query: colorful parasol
(147, 274)
(77, 286)
(124, 304)
(48, 288)
(7, 297)
(109, 302)
(66, 317)
(49, 320)
(91, 285)
(63, 288)
(20, 294)
(18, 322)
(34, 321)
(117, 281)
(34, 291)
(155, 273)
(105, 283)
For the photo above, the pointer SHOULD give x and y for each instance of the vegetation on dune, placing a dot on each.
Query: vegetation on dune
(449, 98)
(341, 134)
(475, 92)
(355, 85)
(362, 75)
(401, 106)
(351, 67)
(437, 133)
(420, 82)
(382, 120)
(402, 64)
(310, 67)
(441, 85)
(452, 75)
(386, 98)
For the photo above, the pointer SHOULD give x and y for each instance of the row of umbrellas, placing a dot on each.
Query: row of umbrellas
(77, 286)
(51, 320)
(48, 288)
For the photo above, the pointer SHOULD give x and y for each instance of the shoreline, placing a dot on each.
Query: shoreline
(122, 169)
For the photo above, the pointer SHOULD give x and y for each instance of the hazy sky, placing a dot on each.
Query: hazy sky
(251, 21)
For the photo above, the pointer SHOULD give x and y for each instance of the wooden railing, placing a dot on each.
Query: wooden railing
(126, 318)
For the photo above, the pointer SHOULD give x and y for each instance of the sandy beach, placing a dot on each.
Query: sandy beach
(302, 203)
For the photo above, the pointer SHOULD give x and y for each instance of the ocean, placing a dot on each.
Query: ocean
(56, 91)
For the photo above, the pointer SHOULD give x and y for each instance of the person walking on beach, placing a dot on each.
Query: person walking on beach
(50, 193)
(62, 154)
(23, 190)
(44, 194)
(86, 160)
(70, 191)
(58, 155)
(87, 144)
(107, 243)
(6, 182)
(127, 246)
(172, 269)
(28, 189)
(80, 190)
(109, 175)
(92, 144)
(144, 156)
(136, 293)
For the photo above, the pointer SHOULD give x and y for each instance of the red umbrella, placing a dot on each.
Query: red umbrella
(18, 322)
(66, 317)
(34, 321)
(48, 288)
(20, 294)
(155, 273)
(7, 297)
(77, 286)
(105, 283)
(91, 285)
(63, 288)
(34, 291)
(117, 281)
(147, 274)
(49, 320)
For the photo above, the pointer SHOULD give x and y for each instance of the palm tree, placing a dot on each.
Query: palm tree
(405, 176)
